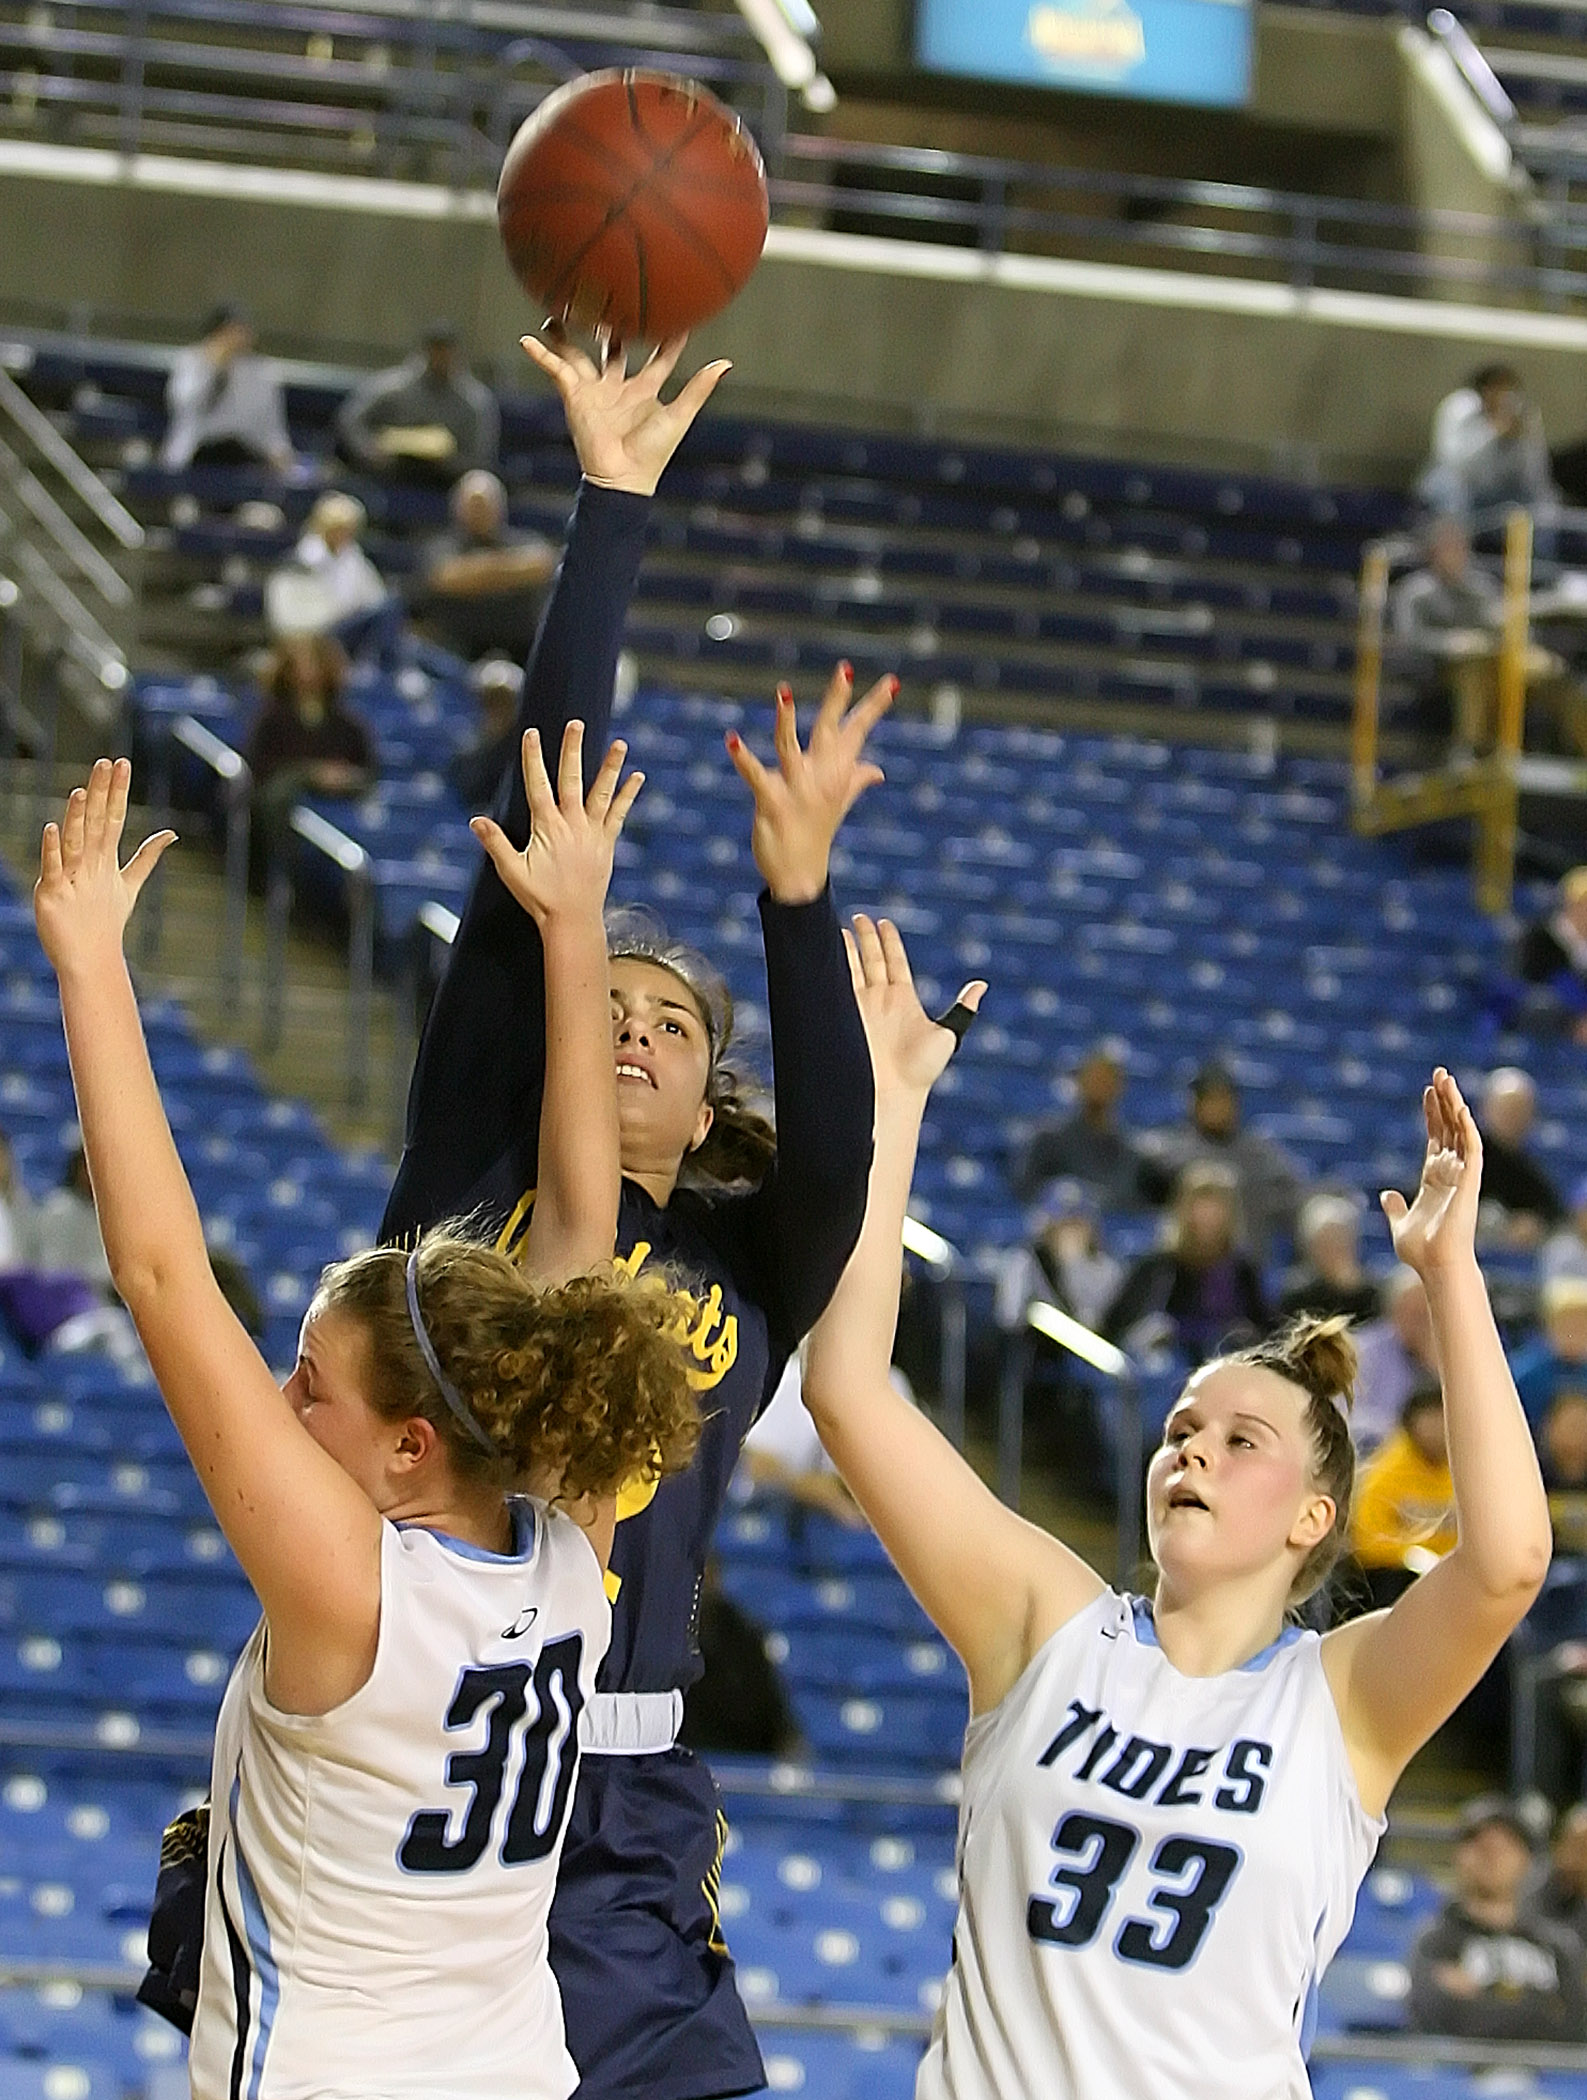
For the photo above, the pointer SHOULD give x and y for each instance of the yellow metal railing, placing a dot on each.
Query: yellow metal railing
(1480, 785)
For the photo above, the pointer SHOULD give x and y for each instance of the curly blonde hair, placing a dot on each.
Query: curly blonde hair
(584, 1384)
(1318, 1356)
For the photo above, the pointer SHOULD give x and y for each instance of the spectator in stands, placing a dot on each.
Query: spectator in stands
(305, 740)
(1395, 1355)
(1488, 449)
(65, 1235)
(1329, 1278)
(355, 604)
(16, 1210)
(1202, 1292)
(482, 580)
(1564, 1252)
(224, 401)
(1445, 618)
(1560, 1897)
(1065, 1262)
(1089, 1145)
(1556, 1357)
(1562, 1453)
(1520, 1203)
(1481, 1969)
(1554, 952)
(783, 1455)
(475, 773)
(1270, 1186)
(425, 421)
(1403, 1519)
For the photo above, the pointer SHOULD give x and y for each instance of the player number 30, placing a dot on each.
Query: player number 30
(1194, 1877)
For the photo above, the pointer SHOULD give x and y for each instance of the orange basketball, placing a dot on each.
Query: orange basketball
(632, 203)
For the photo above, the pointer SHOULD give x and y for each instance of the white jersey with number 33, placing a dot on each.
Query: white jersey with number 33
(380, 1876)
(1154, 1871)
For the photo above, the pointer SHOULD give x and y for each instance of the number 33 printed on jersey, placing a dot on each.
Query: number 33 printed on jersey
(1094, 1853)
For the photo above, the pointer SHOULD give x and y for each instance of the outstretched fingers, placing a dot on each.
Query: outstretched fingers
(895, 956)
(570, 767)
(144, 862)
(622, 802)
(785, 729)
(748, 767)
(50, 868)
(536, 780)
(873, 956)
(73, 828)
(657, 368)
(604, 786)
(695, 392)
(870, 710)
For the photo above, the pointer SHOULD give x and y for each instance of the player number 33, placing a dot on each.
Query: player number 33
(1193, 1878)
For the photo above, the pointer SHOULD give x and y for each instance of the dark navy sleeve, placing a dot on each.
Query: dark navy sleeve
(474, 1103)
(801, 1224)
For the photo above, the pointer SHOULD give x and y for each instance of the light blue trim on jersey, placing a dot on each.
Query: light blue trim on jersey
(523, 1534)
(257, 1929)
(1146, 1634)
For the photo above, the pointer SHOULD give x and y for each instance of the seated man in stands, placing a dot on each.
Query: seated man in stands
(1554, 952)
(1445, 618)
(482, 580)
(1329, 1278)
(1520, 1203)
(1483, 1969)
(225, 401)
(1202, 1293)
(1269, 1185)
(305, 741)
(1089, 1145)
(1403, 1518)
(425, 421)
(1488, 449)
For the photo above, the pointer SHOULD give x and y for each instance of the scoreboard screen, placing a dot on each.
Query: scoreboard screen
(1158, 50)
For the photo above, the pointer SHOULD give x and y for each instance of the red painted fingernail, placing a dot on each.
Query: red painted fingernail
(734, 740)
(845, 669)
(892, 682)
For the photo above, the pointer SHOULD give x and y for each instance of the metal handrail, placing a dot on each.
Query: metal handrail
(117, 520)
(1474, 69)
(74, 544)
(235, 776)
(345, 853)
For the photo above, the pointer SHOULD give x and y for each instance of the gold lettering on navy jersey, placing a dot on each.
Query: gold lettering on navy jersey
(709, 1334)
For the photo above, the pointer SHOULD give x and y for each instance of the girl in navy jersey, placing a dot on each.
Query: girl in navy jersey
(1169, 1802)
(396, 1750)
(759, 1229)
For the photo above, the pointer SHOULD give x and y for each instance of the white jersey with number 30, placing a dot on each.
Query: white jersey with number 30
(1154, 1871)
(380, 1876)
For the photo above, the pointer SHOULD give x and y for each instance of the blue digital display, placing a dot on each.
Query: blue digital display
(1160, 50)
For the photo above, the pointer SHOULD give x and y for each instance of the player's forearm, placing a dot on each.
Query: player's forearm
(580, 1175)
(851, 1345)
(1500, 1505)
(147, 1217)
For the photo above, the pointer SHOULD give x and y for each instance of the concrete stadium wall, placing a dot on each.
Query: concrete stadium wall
(1107, 357)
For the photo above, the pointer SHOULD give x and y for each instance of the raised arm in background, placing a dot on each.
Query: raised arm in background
(1396, 1676)
(475, 1097)
(802, 1222)
(307, 1535)
(995, 1586)
(560, 878)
